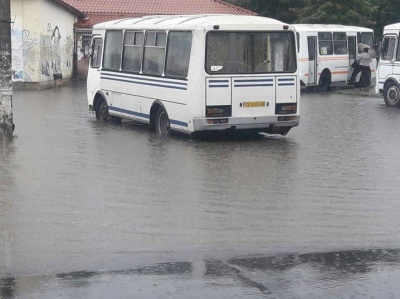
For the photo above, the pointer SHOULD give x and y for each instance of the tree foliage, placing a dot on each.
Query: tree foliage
(366, 13)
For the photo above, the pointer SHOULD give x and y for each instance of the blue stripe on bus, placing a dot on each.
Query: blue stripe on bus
(255, 80)
(130, 112)
(285, 84)
(143, 83)
(253, 85)
(178, 122)
(212, 86)
(218, 81)
(142, 78)
(286, 79)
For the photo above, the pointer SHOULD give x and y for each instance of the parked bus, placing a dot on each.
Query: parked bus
(196, 73)
(326, 53)
(388, 77)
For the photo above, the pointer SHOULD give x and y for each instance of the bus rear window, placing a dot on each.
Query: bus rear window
(250, 52)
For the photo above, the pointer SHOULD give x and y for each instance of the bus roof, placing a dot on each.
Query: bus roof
(329, 27)
(395, 26)
(187, 21)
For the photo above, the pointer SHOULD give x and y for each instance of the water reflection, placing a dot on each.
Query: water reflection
(8, 288)
(270, 277)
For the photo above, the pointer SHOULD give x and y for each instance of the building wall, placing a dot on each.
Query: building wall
(42, 41)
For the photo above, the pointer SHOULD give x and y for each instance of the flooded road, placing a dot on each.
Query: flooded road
(98, 210)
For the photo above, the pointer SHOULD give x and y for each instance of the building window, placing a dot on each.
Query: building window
(133, 51)
(154, 53)
(178, 54)
(113, 50)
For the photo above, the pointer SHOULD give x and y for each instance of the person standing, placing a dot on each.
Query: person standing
(364, 61)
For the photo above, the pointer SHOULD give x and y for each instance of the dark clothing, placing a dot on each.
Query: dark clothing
(363, 62)
(361, 68)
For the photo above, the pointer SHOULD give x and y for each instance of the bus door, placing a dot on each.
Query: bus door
(312, 61)
(387, 61)
(352, 44)
(93, 79)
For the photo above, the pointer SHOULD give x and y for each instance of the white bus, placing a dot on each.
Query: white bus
(196, 73)
(388, 77)
(326, 53)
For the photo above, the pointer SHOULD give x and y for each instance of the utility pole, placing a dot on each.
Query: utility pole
(6, 116)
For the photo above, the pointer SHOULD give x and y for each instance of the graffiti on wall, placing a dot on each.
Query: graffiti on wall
(24, 50)
(57, 53)
(37, 57)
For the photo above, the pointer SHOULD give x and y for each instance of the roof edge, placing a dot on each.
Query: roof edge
(237, 7)
(70, 8)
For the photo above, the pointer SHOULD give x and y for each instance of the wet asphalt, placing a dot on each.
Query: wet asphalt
(99, 210)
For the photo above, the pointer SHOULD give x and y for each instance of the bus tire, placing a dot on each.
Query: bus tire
(324, 81)
(391, 94)
(102, 111)
(162, 124)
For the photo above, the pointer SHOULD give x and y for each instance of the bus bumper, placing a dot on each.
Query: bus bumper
(263, 124)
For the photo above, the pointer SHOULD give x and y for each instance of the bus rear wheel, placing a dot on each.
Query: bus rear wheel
(324, 81)
(102, 111)
(162, 124)
(391, 94)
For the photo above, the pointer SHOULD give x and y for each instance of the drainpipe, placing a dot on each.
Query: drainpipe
(6, 116)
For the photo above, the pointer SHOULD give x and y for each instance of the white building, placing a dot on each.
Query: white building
(42, 38)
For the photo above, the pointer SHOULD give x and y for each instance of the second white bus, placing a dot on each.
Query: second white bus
(326, 53)
(196, 73)
(388, 73)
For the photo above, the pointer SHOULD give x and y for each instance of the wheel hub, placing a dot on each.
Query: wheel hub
(393, 94)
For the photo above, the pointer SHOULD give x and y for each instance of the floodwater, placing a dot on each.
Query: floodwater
(99, 210)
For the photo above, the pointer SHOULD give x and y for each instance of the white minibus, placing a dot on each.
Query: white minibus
(326, 53)
(192, 73)
(388, 73)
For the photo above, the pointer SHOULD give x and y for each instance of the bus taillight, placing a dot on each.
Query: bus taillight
(286, 108)
(218, 111)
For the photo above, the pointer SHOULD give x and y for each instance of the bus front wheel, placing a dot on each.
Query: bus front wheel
(102, 111)
(391, 94)
(162, 124)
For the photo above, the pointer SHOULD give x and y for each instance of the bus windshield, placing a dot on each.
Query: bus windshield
(250, 52)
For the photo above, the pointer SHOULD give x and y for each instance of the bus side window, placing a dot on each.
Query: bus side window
(398, 51)
(154, 53)
(97, 49)
(325, 43)
(352, 47)
(133, 51)
(113, 50)
(389, 44)
(178, 54)
(340, 43)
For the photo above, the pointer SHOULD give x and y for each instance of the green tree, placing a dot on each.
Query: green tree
(344, 12)
(276, 9)
(387, 13)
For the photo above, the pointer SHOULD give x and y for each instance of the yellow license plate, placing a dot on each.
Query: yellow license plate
(254, 104)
